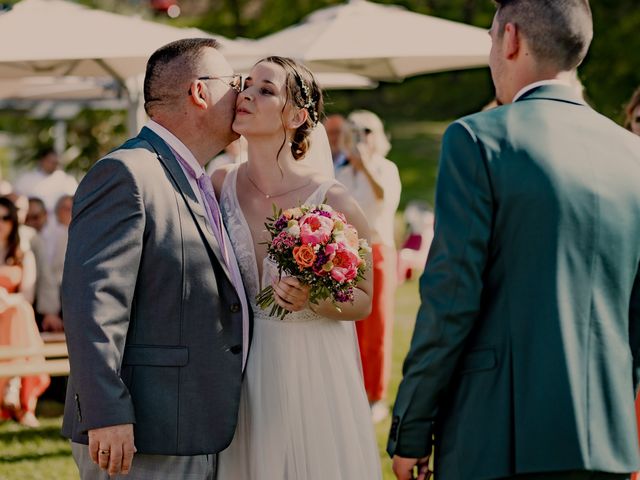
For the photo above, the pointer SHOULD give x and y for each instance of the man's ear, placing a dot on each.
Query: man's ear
(198, 94)
(297, 117)
(511, 41)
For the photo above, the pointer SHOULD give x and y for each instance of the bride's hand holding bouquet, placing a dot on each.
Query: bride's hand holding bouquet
(319, 256)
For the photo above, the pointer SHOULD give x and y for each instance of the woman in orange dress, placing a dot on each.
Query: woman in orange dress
(18, 395)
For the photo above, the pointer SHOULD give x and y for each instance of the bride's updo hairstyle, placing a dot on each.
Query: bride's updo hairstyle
(303, 92)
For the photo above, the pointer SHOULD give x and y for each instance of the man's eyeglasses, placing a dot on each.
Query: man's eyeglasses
(234, 81)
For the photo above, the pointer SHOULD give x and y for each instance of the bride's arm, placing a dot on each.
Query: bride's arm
(339, 198)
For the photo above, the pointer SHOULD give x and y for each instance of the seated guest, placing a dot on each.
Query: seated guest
(33, 220)
(37, 214)
(17, 323)
(57, 236)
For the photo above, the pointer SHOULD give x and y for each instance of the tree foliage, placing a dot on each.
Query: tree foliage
(610, 73)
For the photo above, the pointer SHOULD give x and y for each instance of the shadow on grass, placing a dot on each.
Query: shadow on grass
(31, 434)
(26, 457)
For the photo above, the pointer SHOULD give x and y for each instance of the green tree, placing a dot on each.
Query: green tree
(611, 70)
(610, 73)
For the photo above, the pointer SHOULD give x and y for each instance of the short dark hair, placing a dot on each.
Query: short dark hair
(170, 65)
(38, 201)
(44, 151)
(559, 32)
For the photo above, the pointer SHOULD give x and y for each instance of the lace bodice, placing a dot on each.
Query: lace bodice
(242, 242)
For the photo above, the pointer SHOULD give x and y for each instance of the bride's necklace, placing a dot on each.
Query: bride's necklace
(274, 195)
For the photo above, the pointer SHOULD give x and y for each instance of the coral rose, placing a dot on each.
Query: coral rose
(345, 264)
(304, 256)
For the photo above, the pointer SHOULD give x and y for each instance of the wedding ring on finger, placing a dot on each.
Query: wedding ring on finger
(104, 452)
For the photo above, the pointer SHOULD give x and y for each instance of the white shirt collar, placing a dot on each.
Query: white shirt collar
(533, 85)
(176, 145)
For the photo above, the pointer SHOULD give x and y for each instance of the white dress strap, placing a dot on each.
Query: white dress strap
(319, 196)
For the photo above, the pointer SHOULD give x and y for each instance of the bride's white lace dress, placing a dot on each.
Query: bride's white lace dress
(304, 413)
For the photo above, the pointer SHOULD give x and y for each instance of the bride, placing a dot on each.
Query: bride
(304, 413)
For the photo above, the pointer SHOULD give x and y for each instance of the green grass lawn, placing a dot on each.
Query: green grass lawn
(41, 454)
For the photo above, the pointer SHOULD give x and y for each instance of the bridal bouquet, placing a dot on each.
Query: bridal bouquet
(316, 245)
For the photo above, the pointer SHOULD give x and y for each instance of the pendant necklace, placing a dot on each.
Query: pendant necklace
(274, 195)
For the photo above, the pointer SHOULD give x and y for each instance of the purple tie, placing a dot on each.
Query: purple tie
(210, 204)
(213, 213)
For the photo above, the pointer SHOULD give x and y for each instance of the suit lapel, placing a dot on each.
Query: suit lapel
(166, 157)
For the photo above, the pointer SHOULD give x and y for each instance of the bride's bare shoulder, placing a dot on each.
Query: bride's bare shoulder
(218, 176)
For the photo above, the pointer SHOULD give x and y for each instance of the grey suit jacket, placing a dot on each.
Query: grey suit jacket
(153, 322)
(526, 350)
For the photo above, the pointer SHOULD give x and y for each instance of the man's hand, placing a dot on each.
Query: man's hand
(112, 448)
(52, 323)
(404, 468)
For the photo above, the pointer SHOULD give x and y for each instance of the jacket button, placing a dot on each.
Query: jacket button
(234, 308)
(393, 434)
(236, 349)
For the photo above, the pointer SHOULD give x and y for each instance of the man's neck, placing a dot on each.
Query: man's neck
(191, 138)
(527, 82)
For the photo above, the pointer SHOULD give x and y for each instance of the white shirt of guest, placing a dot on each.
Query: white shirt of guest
(181, 149)
(48, 187)
(379, 212)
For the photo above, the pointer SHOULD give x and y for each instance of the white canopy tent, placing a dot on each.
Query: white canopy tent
(59, 88)
(382, 42)
(59, 50)
(57, 38)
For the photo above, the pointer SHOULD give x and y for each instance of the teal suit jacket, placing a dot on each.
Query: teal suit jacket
(526, 351)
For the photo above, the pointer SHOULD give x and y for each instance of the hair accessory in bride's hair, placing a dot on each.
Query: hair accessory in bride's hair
(309, 104)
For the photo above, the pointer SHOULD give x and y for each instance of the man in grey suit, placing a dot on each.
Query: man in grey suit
(155, 313)
(525, 358)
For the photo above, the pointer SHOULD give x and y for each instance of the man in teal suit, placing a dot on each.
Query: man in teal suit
(526, 353)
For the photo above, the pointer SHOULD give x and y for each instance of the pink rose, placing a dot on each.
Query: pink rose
(315, 229)
(345, 264)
